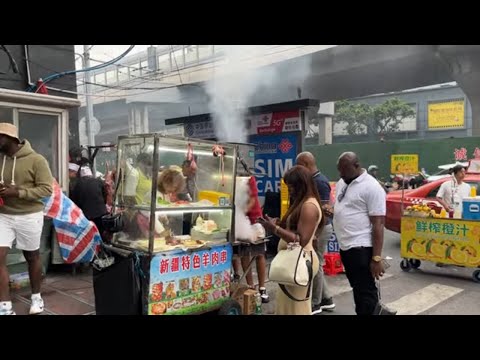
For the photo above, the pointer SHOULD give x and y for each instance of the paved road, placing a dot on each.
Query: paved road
(430, 290)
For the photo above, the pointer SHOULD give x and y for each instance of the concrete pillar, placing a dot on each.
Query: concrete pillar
(325, 123)
(325, 130)
(138, 119)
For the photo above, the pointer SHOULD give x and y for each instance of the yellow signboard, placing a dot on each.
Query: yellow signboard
(404, 164)
(444, 115)
(445, 241)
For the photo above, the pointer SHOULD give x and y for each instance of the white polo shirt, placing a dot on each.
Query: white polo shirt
(452, 193)
(364, 197)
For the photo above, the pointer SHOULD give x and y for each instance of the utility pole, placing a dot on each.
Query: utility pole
(88, 101)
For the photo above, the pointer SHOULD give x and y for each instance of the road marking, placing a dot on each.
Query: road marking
(338, 287)
(423, 299)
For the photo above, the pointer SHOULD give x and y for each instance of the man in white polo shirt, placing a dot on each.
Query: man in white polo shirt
(359, 216)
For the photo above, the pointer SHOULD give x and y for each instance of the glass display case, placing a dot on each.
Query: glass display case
(174, 193)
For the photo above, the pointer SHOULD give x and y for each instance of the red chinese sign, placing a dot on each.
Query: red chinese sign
(175, 264)
(214, 258)
(223, 256)
(205, 259)
(184, 282)
(185, 261)
(164, 266)
(196, 261)
(460, 154)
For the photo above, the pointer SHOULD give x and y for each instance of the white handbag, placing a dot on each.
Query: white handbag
(292, 266)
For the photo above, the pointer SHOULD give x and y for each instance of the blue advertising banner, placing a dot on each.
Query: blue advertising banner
(183, 283)
(333, 245)
(274, 155)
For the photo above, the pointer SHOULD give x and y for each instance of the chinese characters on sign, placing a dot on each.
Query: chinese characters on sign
(200, 130)
(274, 123)
(207, 260)
(444, 115)
(444, 241)
(404, 164)
(262, 124)
(441, 228)
(460, 154)
(189, 282)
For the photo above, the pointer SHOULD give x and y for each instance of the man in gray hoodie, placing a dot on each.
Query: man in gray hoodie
(25, 179)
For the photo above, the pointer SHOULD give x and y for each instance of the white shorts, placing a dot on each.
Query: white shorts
(25, 229)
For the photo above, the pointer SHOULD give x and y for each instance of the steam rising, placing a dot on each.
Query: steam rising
(236, 80)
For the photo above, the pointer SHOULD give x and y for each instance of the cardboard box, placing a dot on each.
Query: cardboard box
(249, 302)
(245, 297)
(238, 295)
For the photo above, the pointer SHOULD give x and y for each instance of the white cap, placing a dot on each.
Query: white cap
(73, 167)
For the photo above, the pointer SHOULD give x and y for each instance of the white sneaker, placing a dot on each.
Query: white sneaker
(37, 306)
(7, 312)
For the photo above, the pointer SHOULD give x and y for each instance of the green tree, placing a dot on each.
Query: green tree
(356, 116)
(379, 119)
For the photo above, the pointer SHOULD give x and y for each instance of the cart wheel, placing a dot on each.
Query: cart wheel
(230, 307)
(405, 265)
(476, 276)
(415, 263)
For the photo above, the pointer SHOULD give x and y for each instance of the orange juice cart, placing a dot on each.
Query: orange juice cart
(442, 241)
(429, 236)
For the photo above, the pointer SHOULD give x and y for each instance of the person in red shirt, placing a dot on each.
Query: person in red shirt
(254, 212)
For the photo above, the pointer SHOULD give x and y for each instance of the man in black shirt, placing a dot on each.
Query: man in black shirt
(90, 195)
(321, 298)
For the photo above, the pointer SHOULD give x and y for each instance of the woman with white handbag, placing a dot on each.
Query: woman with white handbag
(296, 262)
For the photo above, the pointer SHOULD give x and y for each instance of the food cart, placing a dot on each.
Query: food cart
(439, 240)
(426, 235)
(173, 254)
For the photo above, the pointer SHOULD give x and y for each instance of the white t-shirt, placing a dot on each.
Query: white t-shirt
(452, 193)
(364, 197)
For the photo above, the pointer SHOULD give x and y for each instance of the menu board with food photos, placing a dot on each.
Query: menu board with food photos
(185, 282)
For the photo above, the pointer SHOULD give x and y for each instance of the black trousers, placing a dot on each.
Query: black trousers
(98, 221)
(357, 268)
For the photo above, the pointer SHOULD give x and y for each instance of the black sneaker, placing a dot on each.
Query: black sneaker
(316, 309)
(327, 304)
(264, 295)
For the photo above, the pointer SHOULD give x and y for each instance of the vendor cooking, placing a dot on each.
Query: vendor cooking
(172, 185)
(452, 192)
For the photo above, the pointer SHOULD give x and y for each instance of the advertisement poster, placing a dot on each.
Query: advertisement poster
(263, 124)
(404, 164)
(446, 241)
(274, 155)
(274, 123)
(446, 115)
(183, 283)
